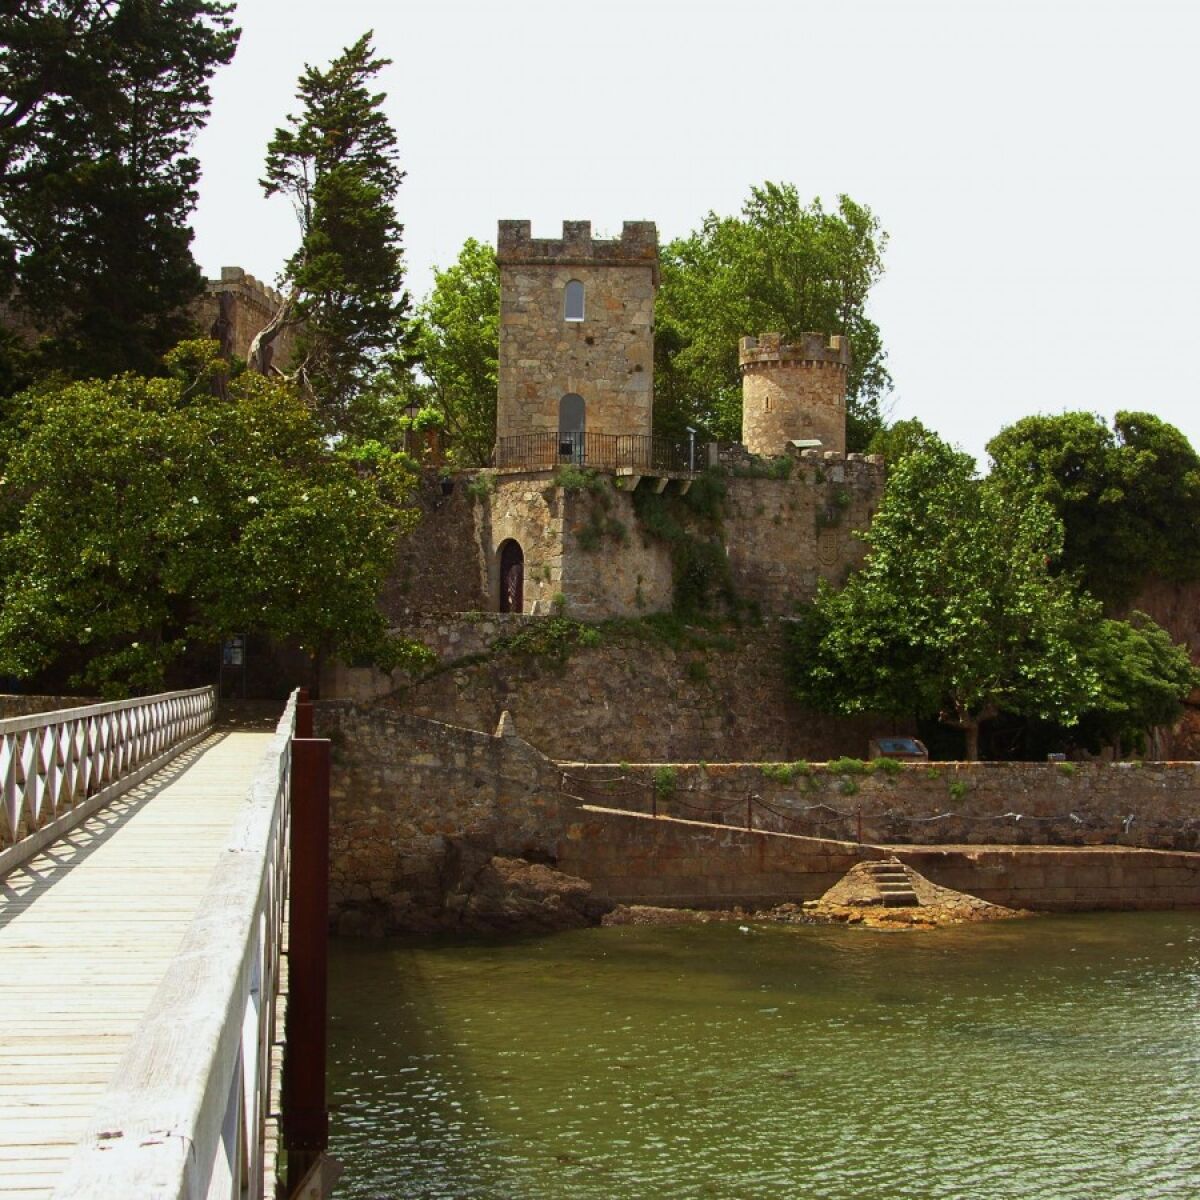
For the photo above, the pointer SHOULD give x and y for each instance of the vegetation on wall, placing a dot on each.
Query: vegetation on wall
(690, 526)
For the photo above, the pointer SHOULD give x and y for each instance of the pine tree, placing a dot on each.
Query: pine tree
(99, 103)
(337, 161)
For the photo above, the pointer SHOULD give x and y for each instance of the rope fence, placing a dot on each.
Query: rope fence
(750, 808)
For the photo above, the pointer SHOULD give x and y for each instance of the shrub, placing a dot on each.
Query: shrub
(664, 781)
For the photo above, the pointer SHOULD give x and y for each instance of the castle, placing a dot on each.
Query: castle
(556, 521)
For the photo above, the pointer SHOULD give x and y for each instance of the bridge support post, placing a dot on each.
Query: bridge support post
(305, 1116)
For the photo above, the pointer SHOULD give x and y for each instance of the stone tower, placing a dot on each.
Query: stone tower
(576, 330)
(793, 390)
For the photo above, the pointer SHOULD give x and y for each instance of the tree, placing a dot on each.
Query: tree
(1144, 679)
(902, 438)
(458, 346)
(781, 266)
(1128, 497)
(180, 515)
(956, 611)
(99, 103)
(337, 162)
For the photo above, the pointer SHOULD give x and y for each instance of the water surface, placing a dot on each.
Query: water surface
(1027, 1060)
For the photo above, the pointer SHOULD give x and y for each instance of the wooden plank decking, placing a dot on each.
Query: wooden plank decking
(87, 930)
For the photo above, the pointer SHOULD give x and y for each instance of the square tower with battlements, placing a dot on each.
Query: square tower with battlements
(576, 334)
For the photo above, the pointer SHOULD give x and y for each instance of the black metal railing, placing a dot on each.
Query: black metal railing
(606, 451)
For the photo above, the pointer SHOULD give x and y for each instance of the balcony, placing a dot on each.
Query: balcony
(633, 454)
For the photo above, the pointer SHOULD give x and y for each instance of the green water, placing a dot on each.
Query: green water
(1051, 1058)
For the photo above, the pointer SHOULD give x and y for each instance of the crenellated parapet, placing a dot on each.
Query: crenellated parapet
(236, 307)
(637, 246)
(793, 389)
(813, 350)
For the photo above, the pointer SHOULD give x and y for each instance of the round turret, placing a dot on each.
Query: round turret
(793, 391)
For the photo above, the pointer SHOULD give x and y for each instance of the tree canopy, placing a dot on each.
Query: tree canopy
(781, 266)
(338, 163)
(138, 515)
(458, 346)
(955, 612)
(99, 103)
(1128, 496)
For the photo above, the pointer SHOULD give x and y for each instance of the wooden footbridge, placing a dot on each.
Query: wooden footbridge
(154, 961)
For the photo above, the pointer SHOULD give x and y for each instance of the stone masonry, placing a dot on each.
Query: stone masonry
(424, 815)
(793, 390)
(607, 358)
(235, 308)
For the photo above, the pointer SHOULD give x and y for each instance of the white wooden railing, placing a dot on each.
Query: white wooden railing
(186, 1113)
(58, 768)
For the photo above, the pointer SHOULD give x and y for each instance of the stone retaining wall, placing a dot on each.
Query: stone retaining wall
(25, 706)
(1156, 805)
(420, 809)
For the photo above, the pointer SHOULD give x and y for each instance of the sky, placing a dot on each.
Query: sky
(1034, 162)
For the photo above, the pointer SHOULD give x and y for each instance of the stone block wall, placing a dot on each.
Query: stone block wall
(793, 389)
(1155, 805)
(607, 358)
(26, 706)
(415, 805)
(235, 308)
(783, 535)
(419, 809)
(633, 696)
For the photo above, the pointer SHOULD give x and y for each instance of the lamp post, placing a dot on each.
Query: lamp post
(691, 449)
(411, 409)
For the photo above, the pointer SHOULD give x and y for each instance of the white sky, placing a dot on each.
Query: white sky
(1035, 163)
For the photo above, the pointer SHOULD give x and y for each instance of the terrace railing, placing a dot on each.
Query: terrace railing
(58, 768)
(635, 453)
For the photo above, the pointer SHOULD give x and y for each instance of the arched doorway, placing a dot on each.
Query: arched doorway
(512, 577)
(572, 423)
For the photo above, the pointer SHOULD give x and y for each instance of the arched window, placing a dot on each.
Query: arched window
(573, 301)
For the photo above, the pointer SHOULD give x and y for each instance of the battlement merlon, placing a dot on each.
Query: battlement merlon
(773, 349)
(637, 246)
(234, 279)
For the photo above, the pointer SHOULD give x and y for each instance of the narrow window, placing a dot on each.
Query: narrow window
(574, 300)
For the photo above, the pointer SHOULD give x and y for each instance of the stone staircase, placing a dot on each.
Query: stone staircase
(892, 882)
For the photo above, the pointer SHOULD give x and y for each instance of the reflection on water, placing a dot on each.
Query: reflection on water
(1028, 1060)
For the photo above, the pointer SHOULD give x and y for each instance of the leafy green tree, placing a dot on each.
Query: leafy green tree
(182, 513)
(337, 162)
(1144, 679)
(956, 610)
(99, 103)
(780, 266)
(458, 345)
(1128, 497)
(902, 438)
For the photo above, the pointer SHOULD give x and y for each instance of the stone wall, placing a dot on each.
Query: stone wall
(793, 389)
(235, 308)
(607, 358)
(417, 806)
(783, 535)
(422, 811)
(440, 566)
(634, 695)
(1154, 805)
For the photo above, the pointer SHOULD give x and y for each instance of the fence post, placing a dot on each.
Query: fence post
(859, 814)
(750, 810)
(304, 715)
(305, 1116)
